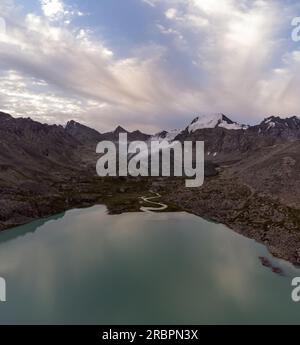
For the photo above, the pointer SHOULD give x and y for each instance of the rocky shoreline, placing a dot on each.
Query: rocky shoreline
(21, 207)
(247, 212)
(230, 202)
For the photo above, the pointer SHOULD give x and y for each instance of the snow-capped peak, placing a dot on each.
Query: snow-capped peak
(213, 121)
(281, 123)
(167, 135)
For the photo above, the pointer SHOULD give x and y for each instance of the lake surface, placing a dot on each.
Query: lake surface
(87, 267)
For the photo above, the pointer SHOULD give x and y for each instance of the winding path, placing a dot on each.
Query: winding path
(161, 206)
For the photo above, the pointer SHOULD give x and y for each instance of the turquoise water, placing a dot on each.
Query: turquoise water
(88, 267)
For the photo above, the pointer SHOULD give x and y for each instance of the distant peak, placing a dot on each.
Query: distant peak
(73, 124)
(280, 119)
(208, 117)
(120, 129)
(272, 118)
(214, 121)
(281, 123)
(167, 135)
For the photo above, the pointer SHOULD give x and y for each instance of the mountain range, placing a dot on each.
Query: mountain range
(31, 149)
(225, 140)
(274, 128)
(253, 184)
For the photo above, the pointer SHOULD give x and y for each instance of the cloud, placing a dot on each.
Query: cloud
(151, 3)
(76, 66)
(217, 56)
(52, 8)
(171, 13)
(56, 10)
(238, 47)
(35, 97)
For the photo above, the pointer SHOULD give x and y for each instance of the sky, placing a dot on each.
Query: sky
(148, 64)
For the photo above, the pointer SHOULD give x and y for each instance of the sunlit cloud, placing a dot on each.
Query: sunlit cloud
(228, 56)
(52, 8)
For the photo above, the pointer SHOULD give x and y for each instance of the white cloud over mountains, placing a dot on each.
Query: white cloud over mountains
(52, 8)
(225, 56)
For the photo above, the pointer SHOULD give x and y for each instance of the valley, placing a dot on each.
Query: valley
(251, 185)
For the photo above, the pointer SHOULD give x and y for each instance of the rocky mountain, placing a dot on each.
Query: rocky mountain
(45, 169)
(273, 170)
(226, 140)
(275, 122)
(213, 121)
(39, 147)
(82, 133)
(87, 135)
(29, 143)
(282, 129)
(30, 149)
(131, 136)
(166, 135)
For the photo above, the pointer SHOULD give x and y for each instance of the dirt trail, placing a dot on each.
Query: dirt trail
(161, 206)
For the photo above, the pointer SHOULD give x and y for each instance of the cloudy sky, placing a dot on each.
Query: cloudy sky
(148, 64)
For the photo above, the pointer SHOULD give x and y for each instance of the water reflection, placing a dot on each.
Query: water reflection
(89, 267)
(28, 228)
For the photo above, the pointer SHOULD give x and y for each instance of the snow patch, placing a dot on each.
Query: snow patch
(271, 125)
(232, 126)
(205, 121)
(170, 136)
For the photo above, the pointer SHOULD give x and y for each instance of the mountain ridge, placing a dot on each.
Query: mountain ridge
(46, 169)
